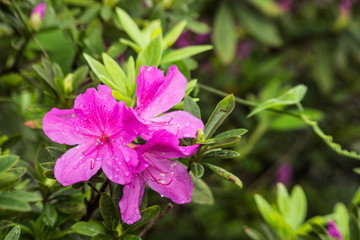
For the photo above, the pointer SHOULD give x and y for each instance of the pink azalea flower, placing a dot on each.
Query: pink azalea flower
(156, 94)
(39, 10)
(100, 127)
(334, 231)
(167, 177)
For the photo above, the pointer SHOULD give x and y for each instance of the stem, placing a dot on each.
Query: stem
(167, 209)
(94, 202)
(224, 94)
(41, 47)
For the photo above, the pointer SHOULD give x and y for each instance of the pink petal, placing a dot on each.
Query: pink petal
(119, 162)
(73, 166)
(157, 94)
(131, 200)
(180, 123)
(171, 180)
(61, 126)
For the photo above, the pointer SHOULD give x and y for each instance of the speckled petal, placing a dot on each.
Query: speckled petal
(179, 188)
(73, 166)
(131, 200)
(180, 123)
(61, 126)
(119, 162)
(157, 94)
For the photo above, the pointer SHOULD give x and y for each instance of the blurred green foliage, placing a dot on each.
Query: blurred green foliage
(264, 52)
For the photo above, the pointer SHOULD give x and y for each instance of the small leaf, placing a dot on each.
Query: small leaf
(130, 27)
(179, 54)
(191, 107)
(225, 174)
(131, 74)
(197, 169)
(23, 196)
(216, 154)
(291, 97)
(224, 36)
(9, 203)
(151, 54)
(222, 110)
(298, 207)
(201, 192)
(48, 166)
(264, 207)
(227, 139)
(107, 209)
(7, 161)
(131, 237)
(147, 215)
(14, 234)
(49, 215)
(171, 37)
(87, 228)
(55, 152)
(116, 73)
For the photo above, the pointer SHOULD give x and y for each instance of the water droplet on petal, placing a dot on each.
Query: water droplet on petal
(127, 174)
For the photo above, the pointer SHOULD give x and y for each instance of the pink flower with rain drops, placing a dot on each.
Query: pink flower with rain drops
(156, 94)
(163, 175)
(101, 128)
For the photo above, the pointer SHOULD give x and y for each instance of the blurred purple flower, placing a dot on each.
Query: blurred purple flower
(244, 49)
(345, 6)
(39, 10)
(188, 38)
(285, 5)
(283, 174)
(334, 231)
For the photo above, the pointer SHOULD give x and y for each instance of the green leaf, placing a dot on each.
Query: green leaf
(298, 207)
(291, 97)
(131, 237)
(151, 54)
(190, 86)
(102, 236)
(264, 207)
(101, 72)
(49, 215)
(216, 154)
(11, 141)
(14, 234)
(7, 161)
(222, 110)
(117, 74)
(191, 107)
(147, 215)
(130, 27)
(87, 228)
(201, 192)
(107, 209)
(356, 198)
(269, 7)
(227, 139)
(120, 97)
(131, 44)
(197, 169)
(224, 35)
(259, 27)
(23, 196)
(171, 37)
(225, 174)
(9, 203)
(55, 152)
(131, 74)
(179, 54)
(342, 219)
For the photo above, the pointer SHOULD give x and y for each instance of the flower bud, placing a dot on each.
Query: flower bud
(37, 15)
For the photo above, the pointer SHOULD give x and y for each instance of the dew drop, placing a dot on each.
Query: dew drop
(161, 195)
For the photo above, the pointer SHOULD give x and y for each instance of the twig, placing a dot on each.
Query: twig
(167, 209)
(94, 188)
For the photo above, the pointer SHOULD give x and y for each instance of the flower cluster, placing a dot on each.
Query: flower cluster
(105, 133)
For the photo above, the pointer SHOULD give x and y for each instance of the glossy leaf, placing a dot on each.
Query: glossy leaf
(201, 192)
(49, 215)
(183, 53)
(14, 234)
(116, 73)
(190, 106)
(87, 228)
(222, 110)
(197, 169)
(291, 97)
(7, 161)
(130, 27)
(107, 209)
(147, 215)
(216, 154)
(9, 203)
(151, 54)
(225, 174)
